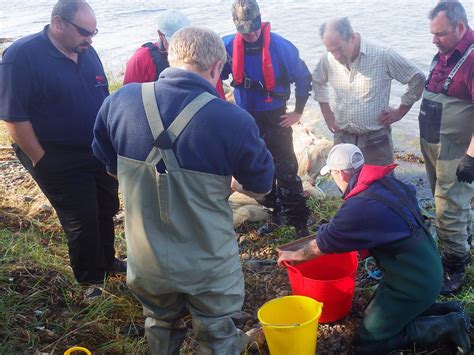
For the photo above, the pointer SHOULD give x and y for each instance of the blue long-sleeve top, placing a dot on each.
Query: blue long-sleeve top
(288, 68)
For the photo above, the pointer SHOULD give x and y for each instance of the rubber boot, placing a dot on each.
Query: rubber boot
(454, 273)
(302, 231)
(277, 220)
(164, 338)
(442, 308)
(424, 331)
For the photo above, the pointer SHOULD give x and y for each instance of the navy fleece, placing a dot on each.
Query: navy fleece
(363, 223)
(221, 139)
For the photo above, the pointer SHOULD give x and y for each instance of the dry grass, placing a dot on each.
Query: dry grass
(4, 137)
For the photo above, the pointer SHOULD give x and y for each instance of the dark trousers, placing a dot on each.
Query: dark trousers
(85, 198)
(287, 192)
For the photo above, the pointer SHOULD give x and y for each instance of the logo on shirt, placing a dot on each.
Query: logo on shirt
(100, 81)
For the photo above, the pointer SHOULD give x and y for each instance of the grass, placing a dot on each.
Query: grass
(4, 137)
(41, 307)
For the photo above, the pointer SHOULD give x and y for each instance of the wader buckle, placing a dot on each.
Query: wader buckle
(247, 83)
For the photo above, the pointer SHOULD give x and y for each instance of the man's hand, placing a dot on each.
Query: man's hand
(465, 170)
(328, 115)
(288, 256)
(391, 115)
(290, 119)
(307, 252)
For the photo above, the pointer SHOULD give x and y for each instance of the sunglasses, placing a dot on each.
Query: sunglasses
(82, 31)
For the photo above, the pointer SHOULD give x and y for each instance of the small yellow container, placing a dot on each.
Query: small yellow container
(77, 349)
(290, 324)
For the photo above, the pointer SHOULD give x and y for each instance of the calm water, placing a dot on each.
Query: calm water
(125, 25)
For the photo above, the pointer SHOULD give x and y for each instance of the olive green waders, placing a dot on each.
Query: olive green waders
(412, 277)
(182, 254)
(446, 126)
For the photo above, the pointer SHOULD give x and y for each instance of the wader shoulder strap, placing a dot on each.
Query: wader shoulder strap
(154, 119)
(151, 109)
(164, 139)
(453, 72)
(394, 206)
(185, 116)
(458, 65)
(404, 197)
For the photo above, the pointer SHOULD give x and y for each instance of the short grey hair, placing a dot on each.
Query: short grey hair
(68, 8)
(341, 25)
(454, 11)
(196, 46)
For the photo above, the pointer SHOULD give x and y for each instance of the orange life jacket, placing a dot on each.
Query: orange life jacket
(238, 58)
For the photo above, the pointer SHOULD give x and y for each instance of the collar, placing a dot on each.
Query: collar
(352, 184)
(183, 78)
(363, 45)
(52, 50)
(367, 176)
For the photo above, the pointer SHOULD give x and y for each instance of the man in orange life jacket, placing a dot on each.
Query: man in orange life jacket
(263, 66)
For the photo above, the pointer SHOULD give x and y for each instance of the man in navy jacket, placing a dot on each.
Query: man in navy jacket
(380, 216)
(52, 85)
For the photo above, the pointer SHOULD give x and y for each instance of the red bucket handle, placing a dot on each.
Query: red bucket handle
(291, 269)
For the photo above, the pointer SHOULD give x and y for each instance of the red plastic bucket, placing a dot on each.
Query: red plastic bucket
(329, 279)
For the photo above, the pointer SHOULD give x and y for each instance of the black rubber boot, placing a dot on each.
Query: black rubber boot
(302, 231)
(277, 220)
(454, 272)
(425, 331)
(442, 308)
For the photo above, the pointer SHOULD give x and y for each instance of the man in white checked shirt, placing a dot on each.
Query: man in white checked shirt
(360, 72)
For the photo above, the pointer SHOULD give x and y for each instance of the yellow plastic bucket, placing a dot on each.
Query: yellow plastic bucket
(290, 324)
(77, 349)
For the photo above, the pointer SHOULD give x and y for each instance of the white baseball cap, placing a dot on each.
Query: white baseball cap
(343, 156)
(170, 21)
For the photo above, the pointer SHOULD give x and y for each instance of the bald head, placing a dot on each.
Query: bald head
(341, 26)
(340, 40)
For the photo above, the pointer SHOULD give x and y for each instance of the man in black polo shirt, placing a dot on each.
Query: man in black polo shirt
(52, 85)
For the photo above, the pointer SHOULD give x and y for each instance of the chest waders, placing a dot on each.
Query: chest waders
(182, 253)
(412, 274)
(446, 126)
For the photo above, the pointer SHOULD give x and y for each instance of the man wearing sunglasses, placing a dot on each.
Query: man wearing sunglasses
(52, 85)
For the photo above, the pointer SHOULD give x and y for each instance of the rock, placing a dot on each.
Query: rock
(44, 208)
(256, 336)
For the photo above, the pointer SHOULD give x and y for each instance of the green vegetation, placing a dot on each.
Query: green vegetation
(114, 86)
(41, 307)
